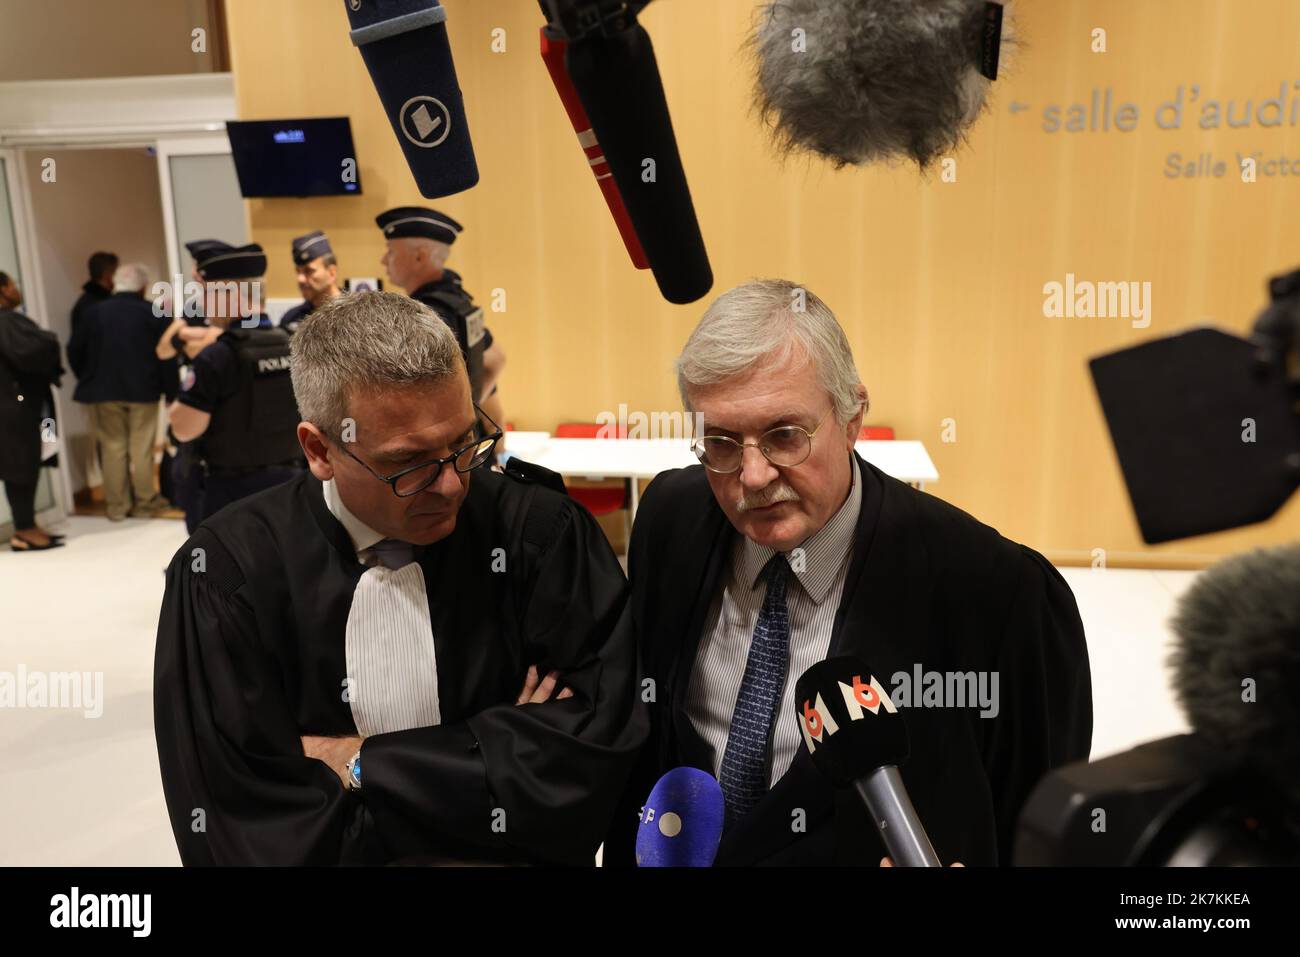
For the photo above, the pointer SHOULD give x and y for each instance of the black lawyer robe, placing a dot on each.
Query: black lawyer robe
(251, 656)
(29, 366)
(926, 584)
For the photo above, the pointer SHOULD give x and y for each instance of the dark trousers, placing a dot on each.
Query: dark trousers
(22, 502)
(220, 490)
(187, 488)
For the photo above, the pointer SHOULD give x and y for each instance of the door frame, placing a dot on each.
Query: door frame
(29, 270)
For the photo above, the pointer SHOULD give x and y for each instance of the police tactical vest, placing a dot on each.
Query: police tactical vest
(457, 309)
(258, 425)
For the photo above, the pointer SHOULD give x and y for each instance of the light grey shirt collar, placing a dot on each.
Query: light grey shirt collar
(817, 562)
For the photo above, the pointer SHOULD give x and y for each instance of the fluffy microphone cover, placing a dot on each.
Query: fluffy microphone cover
(857, 81)
(1241, 620)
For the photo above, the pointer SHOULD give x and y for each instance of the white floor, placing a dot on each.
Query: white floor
(85, 791)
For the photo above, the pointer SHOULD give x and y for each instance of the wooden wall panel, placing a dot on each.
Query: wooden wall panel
(939, 285)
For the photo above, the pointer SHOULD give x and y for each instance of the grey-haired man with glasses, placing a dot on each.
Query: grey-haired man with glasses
(784, 547)
(401, 655)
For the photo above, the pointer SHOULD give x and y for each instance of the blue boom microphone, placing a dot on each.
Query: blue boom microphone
(404, 45)
(681, 823)
(857, 738)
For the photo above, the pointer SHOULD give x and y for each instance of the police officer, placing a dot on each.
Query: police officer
(237, 405)
(318, 277)
(180, 479)
(419, 241)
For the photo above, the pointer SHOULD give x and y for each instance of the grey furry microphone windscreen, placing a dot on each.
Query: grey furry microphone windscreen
(1236, 659)
(861, 81)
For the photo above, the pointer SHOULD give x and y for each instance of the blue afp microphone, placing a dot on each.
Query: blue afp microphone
(681, 823)
(405, 47)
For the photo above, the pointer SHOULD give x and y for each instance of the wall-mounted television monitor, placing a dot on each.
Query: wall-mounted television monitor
(304, 157)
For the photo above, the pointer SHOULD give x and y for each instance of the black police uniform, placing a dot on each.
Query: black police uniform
(186, 486)
(185, 489)
(251, 443)
(293, 318)
(305, 248)
(446, 296)
(242, 381)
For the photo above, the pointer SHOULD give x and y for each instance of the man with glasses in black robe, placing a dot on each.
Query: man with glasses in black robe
(784, 547)
(340, 658)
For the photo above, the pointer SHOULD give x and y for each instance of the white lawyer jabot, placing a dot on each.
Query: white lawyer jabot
(392, 668)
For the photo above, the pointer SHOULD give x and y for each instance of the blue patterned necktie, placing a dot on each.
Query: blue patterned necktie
(743, 775)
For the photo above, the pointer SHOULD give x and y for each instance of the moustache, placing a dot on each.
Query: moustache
(770, 495)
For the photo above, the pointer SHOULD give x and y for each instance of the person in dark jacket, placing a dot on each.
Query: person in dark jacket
(97, 288)
(783, 548)
(29, 365)
(120, 377)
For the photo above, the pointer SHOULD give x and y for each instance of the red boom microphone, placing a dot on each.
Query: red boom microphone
(553, 47)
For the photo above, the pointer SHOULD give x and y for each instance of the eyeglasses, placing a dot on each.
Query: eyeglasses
(417, 478)
(784, 446)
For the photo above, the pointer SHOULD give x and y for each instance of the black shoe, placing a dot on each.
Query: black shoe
(23, 545)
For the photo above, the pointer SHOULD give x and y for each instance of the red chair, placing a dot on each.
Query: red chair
(597, 499)
(875, 433)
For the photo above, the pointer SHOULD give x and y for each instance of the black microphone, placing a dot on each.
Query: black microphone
(611, 63)
(405, 47)
(856, 737)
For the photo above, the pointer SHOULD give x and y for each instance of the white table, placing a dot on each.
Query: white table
(637, 459)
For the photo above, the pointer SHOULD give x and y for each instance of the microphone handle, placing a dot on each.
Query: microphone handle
(883, 793)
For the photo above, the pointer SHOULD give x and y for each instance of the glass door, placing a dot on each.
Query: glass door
(200, 196)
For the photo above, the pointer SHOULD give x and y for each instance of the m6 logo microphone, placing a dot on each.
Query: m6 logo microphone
(859, 740)
(859, 696)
